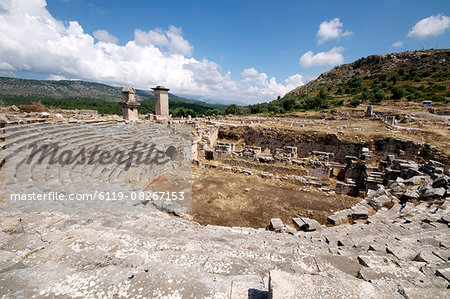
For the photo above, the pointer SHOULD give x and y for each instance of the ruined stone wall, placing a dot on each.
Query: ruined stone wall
(269, 138)
(266, 167)
(407, 150)
(272, 139)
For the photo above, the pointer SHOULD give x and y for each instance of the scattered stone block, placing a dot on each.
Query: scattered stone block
(306, 224)
(411, 195)
(415, 180)
(44, 114)
(339, 217)
(442, 181)
(15, 108)
(360, 212)
(276, 224)
(12, 117)
(434, 193)
(289, 229)
(379, 202)
(266, 175)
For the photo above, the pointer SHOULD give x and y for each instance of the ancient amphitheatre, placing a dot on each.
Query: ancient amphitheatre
(347, 203)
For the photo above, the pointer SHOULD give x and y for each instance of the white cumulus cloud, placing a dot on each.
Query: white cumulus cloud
(252, 75)
(331, 30)
(171, 39)
(397, 44)
(105, 36)
(332, 57)
(33, 40)
(431, 26)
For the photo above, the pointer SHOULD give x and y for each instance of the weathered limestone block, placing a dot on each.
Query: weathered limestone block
(411, 195)
(428, 257)
(379, 201)
(412, 292)
(360, 212)
(285, 285)
(344, 188)
(434, 193)
(12, 117)
(306, 224)
(276, 224)
(415, 180)
(339, 217)
(445, 273)
(401, 252)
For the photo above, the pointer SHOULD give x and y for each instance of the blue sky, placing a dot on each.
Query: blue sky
(242, 51)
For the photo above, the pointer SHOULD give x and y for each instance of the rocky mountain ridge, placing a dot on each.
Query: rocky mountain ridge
(423, 60)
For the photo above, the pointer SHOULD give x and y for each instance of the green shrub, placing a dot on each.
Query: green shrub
(179, 112)
(367, 95)
(316, 103)
(337, 103)
(379, 96)
(232, 109)
(355, 103)
(397, 92)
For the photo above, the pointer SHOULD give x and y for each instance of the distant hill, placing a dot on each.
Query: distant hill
(413, 76)
(24, 90)
(427, 62)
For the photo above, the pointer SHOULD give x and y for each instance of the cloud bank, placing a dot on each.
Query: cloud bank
(33, 40)
(431, 26)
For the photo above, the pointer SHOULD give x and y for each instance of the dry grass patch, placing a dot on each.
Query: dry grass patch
(231, 199)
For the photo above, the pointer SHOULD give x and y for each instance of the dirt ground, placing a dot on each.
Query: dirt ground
(224, 198)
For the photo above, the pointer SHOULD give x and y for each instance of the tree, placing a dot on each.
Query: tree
(288, 103)
(367, 95)
(355, 103)
(398, 92)
(232, 109)
(355, 82)
(179, 112)
(379, 96)
(316, 103)
(323, 94)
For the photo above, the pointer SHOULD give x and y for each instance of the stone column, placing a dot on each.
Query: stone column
(129, 104)
(369, 111)
(161, 101)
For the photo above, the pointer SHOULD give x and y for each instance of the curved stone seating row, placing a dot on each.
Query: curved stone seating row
(19, 176)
